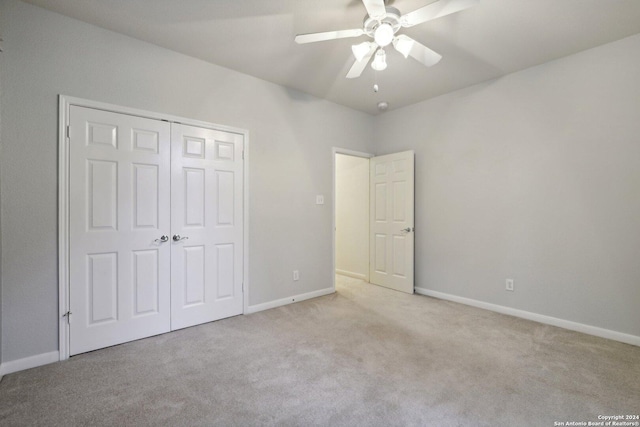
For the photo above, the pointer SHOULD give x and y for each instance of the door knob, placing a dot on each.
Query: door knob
(162, 239)
(407, 230)
(177, 238)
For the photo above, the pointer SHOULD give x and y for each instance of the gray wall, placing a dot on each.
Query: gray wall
(535, 177)
(291, 135)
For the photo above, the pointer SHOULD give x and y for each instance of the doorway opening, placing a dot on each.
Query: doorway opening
(351, 214)
(373, 218)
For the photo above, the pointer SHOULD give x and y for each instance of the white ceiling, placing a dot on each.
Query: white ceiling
(255, 37)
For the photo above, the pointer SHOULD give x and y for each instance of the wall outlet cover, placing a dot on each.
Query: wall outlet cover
(509, 285)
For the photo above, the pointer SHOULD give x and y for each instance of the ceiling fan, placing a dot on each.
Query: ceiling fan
(381, 24)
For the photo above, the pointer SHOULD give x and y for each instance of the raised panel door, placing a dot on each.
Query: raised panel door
(207, 227)
(391, 221)
(119, 190)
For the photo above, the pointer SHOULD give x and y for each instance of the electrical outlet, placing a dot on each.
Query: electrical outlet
(296, 275)
(509, 285)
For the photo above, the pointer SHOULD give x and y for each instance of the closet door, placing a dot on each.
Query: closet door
(206, 225)
(119, 207)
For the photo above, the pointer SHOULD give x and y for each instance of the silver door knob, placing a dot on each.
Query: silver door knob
(177, 238)
(162, 239)
(407, 230)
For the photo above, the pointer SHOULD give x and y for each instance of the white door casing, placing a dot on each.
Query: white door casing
(119, 182)
(391, 239)
(207, 225)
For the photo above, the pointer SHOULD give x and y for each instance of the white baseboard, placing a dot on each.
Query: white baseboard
(352, 274)
(29, 362)
(541, 318)
(289, 300)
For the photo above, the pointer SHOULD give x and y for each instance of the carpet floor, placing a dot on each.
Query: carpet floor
(364, 356)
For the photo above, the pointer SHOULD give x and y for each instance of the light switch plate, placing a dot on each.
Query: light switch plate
(319, 199)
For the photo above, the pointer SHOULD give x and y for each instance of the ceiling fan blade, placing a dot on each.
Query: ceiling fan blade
(435, 10)
(358, 67)
(409, 47)
(329, 35)
(375, 7)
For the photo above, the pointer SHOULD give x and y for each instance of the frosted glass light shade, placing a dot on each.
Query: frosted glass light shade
(383, 35)
(403, 45)
(360, 50)
(379, 61)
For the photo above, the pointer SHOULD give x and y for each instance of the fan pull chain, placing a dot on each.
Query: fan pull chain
(382, 105)
(376, 88)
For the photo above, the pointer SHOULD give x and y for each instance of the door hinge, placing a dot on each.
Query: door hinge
(242, 154)
(68, 316)
(68, 131)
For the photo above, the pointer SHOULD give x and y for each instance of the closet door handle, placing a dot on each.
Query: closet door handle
(162, 239)
(177, 238)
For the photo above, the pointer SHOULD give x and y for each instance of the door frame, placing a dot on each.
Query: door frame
(64, 105)
(334, 151)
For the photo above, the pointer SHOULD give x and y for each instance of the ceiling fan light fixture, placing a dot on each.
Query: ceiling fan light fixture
(381, 23)
(383, 34)
(361, 50)
(379, 61)
(403, 45)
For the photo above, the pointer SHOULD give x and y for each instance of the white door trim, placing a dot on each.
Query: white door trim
(65, 102)
(334, 151)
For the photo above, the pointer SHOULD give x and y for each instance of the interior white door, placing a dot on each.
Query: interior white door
(207, 225)
(391, 221)
(119, 268)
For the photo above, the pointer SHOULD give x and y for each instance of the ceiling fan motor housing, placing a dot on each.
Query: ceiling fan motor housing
(391, 17)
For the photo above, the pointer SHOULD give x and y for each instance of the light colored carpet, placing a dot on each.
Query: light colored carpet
(363, 356)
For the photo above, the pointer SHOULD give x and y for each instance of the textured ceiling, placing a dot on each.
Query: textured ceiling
(255, 37)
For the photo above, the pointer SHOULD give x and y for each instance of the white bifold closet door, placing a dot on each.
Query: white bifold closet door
(156, 227)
